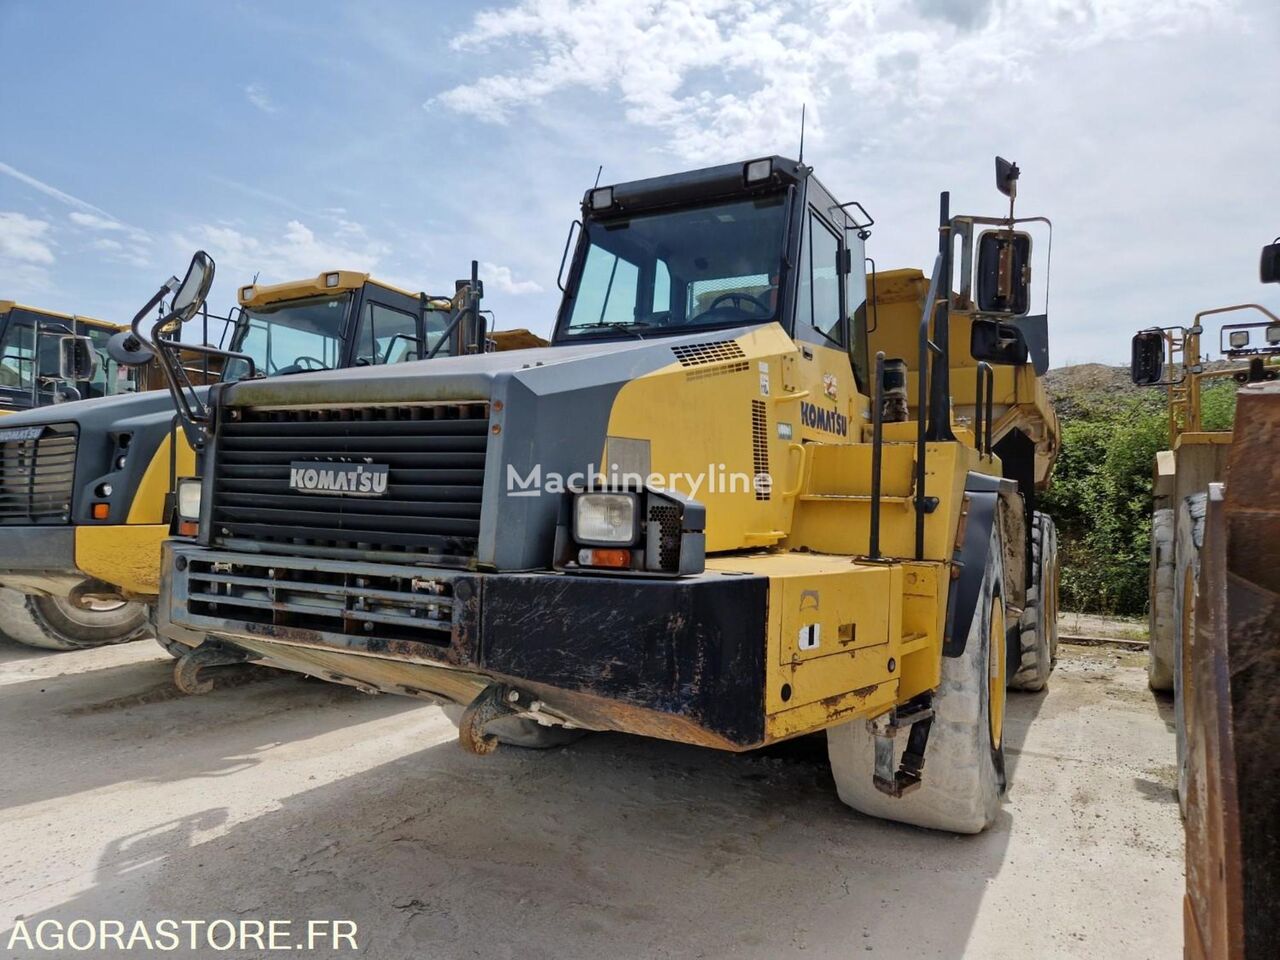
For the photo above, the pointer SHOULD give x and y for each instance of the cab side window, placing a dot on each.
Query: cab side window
(17, 357)
(387, 336)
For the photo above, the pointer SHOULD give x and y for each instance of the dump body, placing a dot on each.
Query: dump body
(1232, 675)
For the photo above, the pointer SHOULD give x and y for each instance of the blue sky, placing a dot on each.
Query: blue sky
(409, 138)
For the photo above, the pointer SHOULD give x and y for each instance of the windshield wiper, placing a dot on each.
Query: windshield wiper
(616, 325)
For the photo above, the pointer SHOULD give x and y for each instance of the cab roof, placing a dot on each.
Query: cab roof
(7, 305)
(707, 183)
(328, 282)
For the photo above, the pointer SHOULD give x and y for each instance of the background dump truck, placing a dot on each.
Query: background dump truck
(1171, 357)
(1216, 617)
(705, 513)
(91, 492)
(40, 351)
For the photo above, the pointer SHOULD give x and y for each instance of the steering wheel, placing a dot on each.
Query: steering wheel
(739, 297)
(308, 364)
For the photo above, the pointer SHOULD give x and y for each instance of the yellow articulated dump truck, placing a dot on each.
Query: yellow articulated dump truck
(87, 486)
(48, 357)
(1172, 358)
(707, 512)
(1216, 615)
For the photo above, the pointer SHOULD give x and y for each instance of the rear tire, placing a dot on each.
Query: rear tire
(1038, 628)
(1162, 623)
(1190, 538)
(963, 777)
(521, 731)
(53, 623)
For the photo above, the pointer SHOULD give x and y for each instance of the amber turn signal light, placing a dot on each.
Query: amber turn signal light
(101, 511)
(188, 528)
(605, 558)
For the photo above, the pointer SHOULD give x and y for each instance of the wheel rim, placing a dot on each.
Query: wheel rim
(89, 613)
(996, 656)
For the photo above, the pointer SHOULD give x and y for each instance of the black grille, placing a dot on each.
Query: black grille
(322, 595)
(435, 455)
(37, 476)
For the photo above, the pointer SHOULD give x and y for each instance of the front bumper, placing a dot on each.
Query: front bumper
(54, 560)
(39, 559)
(681, 659)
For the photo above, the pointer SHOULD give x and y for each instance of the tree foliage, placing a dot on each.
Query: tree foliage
(1101, 493)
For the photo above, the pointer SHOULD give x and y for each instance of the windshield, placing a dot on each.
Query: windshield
(291, 337)
(680, 271)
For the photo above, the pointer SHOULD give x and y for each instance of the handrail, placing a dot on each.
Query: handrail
(982, 430)
(877, 450)
(926, 348)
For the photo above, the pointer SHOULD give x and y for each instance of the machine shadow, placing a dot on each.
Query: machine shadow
(64, 734)
(615, 846)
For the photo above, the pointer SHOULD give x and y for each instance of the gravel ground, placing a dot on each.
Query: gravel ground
(287, 799)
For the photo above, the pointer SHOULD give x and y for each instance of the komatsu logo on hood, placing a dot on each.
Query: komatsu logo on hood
(20, 433)
(812, 415)
(338, 479)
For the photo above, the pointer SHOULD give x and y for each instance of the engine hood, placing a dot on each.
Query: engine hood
(129, 425)
(472, 377)
(101, 413)
(550, 412)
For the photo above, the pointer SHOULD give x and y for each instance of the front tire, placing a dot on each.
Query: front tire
(963, 778)
(1162, 625)
(54, 623)
(1189, 536)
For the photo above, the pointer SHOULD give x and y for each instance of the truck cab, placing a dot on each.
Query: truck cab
(30, 374)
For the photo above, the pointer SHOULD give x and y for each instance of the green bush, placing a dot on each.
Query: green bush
(1100, 497)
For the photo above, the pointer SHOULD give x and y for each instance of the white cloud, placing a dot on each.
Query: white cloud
(729, 76)
(502, 278)
(94, 222)
(257, 95)
(297, 252)
(52, 191)
(133, 248)
(24, 240)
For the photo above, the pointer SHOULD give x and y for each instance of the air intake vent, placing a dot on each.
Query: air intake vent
(760, 449)
(697, 354)
(37, 475)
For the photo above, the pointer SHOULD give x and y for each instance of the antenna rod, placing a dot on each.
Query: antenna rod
(599, 170)
(802, 108)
